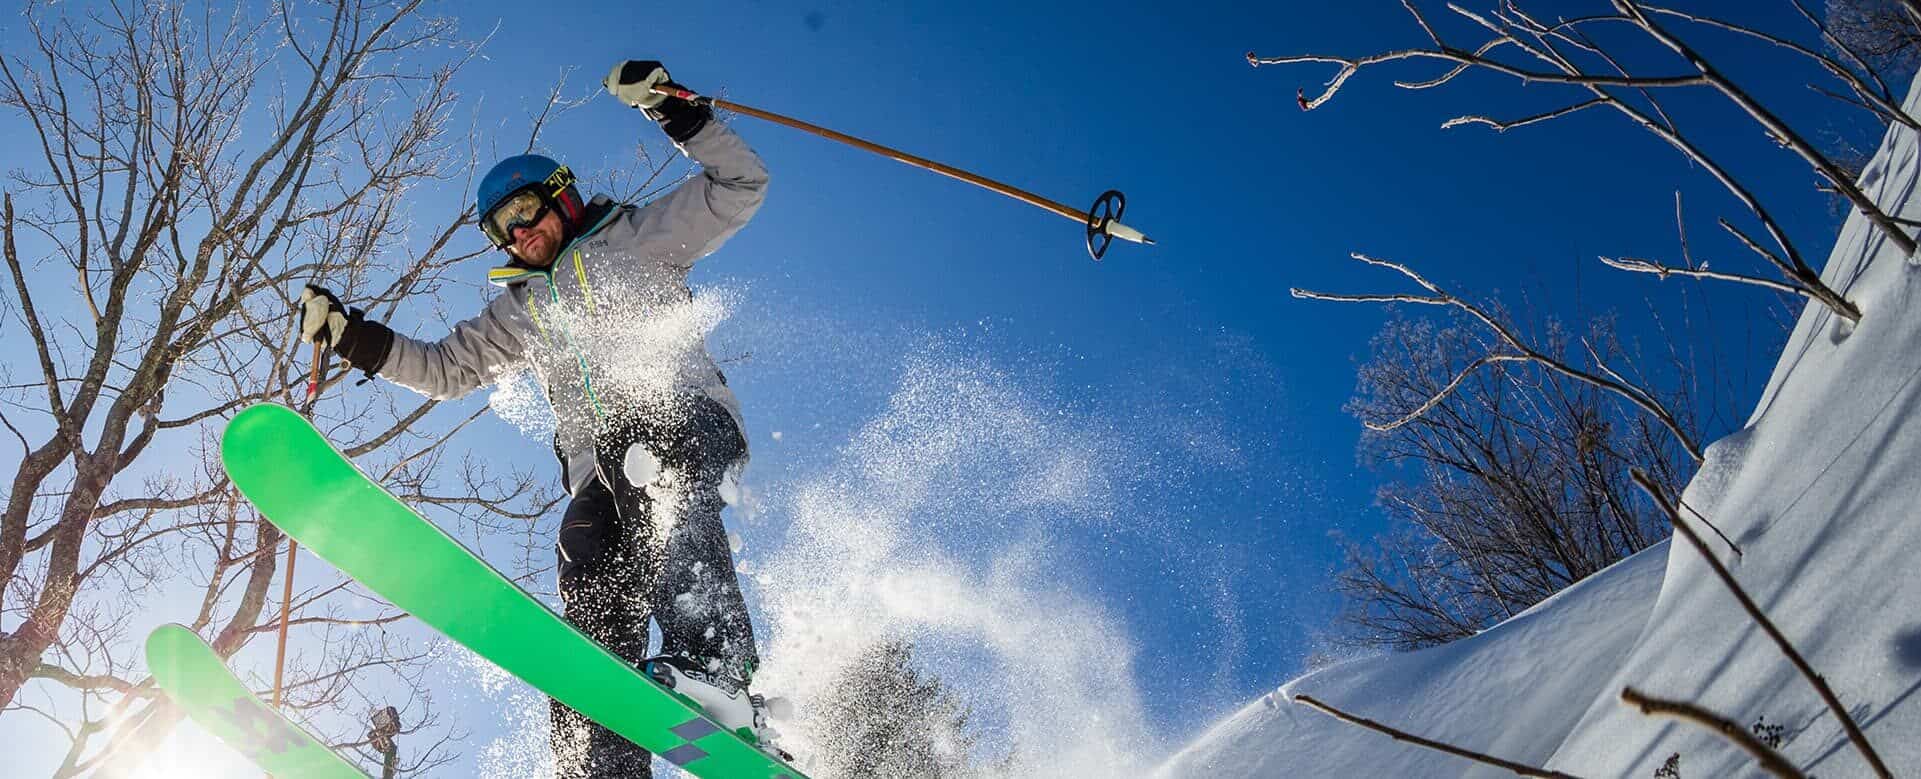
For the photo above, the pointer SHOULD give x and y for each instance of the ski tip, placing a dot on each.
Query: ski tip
(169, 634)
(259, 410)
(251, 418)
(163, 649)
(253, 414)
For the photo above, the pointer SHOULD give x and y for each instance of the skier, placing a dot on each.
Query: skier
(642, 535)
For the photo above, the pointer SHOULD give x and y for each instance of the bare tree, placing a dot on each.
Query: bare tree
(1884, 33)
(1509, 345)
(195, 165)
(1514, 481)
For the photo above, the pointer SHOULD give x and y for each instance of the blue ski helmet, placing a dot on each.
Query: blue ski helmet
(551, 180)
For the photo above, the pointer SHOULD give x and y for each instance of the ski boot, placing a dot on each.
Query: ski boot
(722, 696)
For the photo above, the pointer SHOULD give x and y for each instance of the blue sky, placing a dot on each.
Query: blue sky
(1218, 562)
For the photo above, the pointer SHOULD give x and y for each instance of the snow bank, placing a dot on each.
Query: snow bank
(1820, 490)
(1508, 691)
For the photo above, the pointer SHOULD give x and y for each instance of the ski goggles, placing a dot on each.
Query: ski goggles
(522, 209)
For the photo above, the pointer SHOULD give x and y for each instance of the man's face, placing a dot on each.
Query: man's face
(537, 244)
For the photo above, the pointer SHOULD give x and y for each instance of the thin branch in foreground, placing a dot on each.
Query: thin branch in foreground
(1501, 126)
(1790, 139)
(1637, 265)
(1820, 684)
(1702, 518)
(1399, 735)
(1513, 30)
(1770, 760)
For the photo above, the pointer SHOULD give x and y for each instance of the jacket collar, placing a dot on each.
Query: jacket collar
(598, 214)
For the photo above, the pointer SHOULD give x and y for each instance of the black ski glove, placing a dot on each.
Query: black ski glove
(632, 83)
(324, 321)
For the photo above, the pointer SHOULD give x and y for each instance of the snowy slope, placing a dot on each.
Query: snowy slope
(1822, 491)
(1515, 673)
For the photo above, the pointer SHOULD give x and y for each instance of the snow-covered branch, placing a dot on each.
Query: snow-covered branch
(1856, 73)
(1640, 265)
(1504, 126)
(1774, 125)
(1565, 50)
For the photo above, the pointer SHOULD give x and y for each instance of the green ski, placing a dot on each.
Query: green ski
(302, 484)
(197, 681)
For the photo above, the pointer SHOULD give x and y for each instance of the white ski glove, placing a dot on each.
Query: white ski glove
(324, 321)
(322, 318)
(633, 82)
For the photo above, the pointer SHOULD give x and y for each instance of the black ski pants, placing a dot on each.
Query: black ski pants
(627, 555)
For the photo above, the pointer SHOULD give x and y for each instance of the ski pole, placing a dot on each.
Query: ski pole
(1102, 220)
(293, 547)
(280, 649)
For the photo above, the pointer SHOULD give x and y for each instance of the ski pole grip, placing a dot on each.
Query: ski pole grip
(670, 91)
(313, 374)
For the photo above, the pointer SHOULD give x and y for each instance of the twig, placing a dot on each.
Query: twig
(1770, 760)
(1501, 127)
(1380, 427)
(1637, 265)
(1400, 735)
(1508, 32)
(1702, 518)
(1820, 684)
(1872, 99)
(1774, 125)
(1854, 57)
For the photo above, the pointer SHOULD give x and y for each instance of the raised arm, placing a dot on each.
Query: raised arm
(702, 213)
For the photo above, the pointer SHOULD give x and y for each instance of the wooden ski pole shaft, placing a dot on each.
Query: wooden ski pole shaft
(1097, 222)
(1016, 193)
(280, 649)
(293, 548)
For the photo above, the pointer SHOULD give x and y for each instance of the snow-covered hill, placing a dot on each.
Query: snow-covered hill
(1822, 490)
(1506, 691)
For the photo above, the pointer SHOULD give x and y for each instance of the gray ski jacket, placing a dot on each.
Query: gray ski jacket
(602, 326)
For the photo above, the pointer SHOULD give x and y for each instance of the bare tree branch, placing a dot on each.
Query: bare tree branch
(1770, 760)
(1513, 30)
(174, 238)
(1401, 735)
